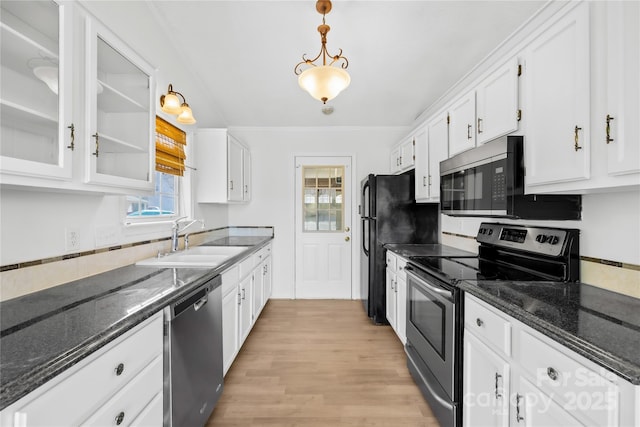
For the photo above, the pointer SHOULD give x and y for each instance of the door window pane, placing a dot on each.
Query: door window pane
(322, 198)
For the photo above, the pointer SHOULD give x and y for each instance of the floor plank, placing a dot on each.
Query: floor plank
(320, 363)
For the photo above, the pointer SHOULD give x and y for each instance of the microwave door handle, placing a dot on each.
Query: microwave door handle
(444, 292)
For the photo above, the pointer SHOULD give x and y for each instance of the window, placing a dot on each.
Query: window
(170, 165)
(322, 201)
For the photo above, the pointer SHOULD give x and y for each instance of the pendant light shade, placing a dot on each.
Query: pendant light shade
(324, 83)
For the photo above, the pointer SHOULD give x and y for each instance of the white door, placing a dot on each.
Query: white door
(323, 227)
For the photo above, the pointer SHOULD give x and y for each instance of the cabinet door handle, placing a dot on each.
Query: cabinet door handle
(119, 418)
(246, 189)
(73, 137)
(518, 417)
(239, 299)
(479, 322)
(479, 124)
(468, 131)
(576, 138)
(97, 137)
(424, 181)
(498, 395)
(429, 180)
(231, 185)
(552, 373)
(119, 369)
(608, 128)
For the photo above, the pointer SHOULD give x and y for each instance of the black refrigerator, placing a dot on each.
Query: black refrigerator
(389, 214)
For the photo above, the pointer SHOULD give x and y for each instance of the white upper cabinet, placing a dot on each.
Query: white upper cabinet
(403, 156)
(462, 130)
(497, 103)
(431, 149)
(224, 168)
(557, 95)
(37, 128)
(120, 113)
(622, 120)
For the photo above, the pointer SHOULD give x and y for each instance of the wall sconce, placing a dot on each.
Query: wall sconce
(170, 104)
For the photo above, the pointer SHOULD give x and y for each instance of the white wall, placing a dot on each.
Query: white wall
(33, 223)
(273, 151)
(609, 229)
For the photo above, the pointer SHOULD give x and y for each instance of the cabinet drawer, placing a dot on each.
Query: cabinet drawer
(246, 266)
(391, 260)
(491, 328)
(132, 399)
(151, 415)
(230, 279)
(400, 264)
(76, 396)
(577, 388)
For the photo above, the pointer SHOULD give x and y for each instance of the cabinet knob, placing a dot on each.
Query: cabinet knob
(552, 373)
(479, 322)
(119, 418)
(347, 238)
(119, 369)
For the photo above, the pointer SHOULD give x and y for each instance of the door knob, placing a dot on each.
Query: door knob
(347, 238)
(347, 229)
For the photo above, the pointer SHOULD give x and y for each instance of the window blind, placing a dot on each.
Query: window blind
(170, 143)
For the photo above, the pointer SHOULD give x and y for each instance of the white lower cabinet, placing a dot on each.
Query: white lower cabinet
(246, 288)
(121, 381)
(486, 385)
(514, 375)
(396, 295)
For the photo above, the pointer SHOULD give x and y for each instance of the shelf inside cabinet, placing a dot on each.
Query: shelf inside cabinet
(13, 115)
(110, 144)
(20, 51)
(111, 100)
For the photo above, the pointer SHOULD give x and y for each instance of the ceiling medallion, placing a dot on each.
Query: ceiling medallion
(323, 82)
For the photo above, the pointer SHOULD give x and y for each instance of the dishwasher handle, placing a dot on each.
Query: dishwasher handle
(201, 302)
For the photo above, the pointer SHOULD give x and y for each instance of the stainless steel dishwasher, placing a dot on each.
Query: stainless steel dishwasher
(193, 356)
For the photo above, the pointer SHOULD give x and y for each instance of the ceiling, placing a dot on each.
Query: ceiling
(237, 57)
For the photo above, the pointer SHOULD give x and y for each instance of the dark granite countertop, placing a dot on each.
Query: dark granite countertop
(434, 250)
(601, 325)
(44, 333)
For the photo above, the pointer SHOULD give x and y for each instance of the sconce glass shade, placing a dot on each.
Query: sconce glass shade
(171, 103)
(48, 75)
(324, 82)
(186, 115)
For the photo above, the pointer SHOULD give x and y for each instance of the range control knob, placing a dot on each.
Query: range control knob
(541, 238)
(490, 231)
(553, 240)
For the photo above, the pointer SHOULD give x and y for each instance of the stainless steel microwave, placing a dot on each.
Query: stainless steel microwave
(488, 181)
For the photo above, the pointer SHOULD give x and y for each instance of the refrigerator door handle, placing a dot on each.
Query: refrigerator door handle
(364, 243)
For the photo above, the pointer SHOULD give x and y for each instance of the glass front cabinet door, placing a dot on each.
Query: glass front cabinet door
(37, 133)
(120, 121)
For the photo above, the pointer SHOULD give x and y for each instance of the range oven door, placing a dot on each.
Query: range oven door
(431, 341)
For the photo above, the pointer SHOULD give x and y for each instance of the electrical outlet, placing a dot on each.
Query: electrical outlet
(71, 239)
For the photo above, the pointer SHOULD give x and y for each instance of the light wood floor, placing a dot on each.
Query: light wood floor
(320, 363)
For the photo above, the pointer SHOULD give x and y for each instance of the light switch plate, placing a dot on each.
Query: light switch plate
(106, 235)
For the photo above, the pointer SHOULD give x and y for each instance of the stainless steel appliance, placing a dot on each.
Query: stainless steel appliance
(488, 181)
(389, 214)
(193, 356)
(515, 253)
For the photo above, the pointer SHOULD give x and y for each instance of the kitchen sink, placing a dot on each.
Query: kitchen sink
(197, 257)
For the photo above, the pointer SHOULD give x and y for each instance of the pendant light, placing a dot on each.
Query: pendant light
(323, 82)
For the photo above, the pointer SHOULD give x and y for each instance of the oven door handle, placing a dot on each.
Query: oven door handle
(440, 291)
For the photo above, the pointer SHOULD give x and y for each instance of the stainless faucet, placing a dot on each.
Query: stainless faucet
(176, 229)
